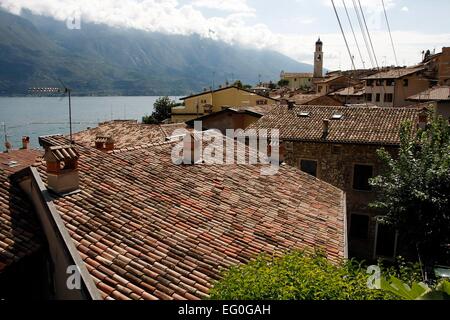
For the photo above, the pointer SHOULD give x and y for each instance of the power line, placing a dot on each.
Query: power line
(354, 35)
(390, 34)
(366, 42)
(343, 34)
(368, 33)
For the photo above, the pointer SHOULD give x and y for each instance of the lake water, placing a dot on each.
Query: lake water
(34, 117)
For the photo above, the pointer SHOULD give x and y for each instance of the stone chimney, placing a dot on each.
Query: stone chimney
(291, 104)
(423, 119)
(25, 142)
(104, 143)
(326, 127)
(62, 169)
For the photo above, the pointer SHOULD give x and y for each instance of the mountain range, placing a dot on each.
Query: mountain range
(37, 51)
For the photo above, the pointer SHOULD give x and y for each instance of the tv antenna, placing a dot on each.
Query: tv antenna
(50, 92)
(8, 145)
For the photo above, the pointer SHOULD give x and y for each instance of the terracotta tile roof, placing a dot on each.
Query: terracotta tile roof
(395, 73)
(439, 93)
(127, 133)
(314, 99)
(149, 229)
(223, 89)
(304, 98)
(263, 109)
(350, 91)
(329, 78)
(366, 125)
(20, 232)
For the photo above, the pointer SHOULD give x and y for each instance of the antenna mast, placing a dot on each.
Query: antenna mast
(54, 91)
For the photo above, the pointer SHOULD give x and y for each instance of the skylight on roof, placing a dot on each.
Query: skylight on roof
(337, 116)
(304, 114)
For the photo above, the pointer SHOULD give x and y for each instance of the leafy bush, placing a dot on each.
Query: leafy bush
(296, 276)
(409, 272)
(417, 290)
(149, 120)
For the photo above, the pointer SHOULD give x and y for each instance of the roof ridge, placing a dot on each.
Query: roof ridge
(140, 147)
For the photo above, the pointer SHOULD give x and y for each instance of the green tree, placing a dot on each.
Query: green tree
(415, 187)
(238, 83)
(296, 276)
(162, 110)
(272, 85)
(283, 83)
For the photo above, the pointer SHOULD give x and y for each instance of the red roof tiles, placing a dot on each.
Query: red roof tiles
(362, 125)
(149, 229)
(395, 73)
(20, 233)
(439, 93)
(127, 133)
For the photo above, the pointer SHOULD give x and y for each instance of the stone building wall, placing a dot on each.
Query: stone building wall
(335, 165)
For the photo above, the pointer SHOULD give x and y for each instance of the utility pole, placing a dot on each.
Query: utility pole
(6, 138)
(68, 91)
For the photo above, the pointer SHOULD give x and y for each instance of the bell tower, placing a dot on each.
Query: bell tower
(318, 60)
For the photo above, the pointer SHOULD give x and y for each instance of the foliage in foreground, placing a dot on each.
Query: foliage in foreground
(417, 291)
(415, 188)
(297, 276)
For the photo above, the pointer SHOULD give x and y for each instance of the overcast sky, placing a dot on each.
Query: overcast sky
(288, 26)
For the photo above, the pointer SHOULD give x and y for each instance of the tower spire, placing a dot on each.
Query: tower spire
(318, 60)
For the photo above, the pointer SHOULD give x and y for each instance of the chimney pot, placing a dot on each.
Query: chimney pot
(104, 143)
(291, 104)
(25, 142)
(326, 126)
(423, 119)
(62, 168)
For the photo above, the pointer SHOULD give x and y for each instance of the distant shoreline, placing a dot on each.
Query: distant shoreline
(90, 96)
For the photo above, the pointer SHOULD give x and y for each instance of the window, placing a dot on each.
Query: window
(370, 83)
(368, 97)
(405, 82)
(378, 97)
(361, 176)
(379, 83)
(388, 97)
(390, 83)
(208, 109)
(261, 102)
(336, 149)
(309, 166)
(359, 226)
(320, 88)
(386, 241)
